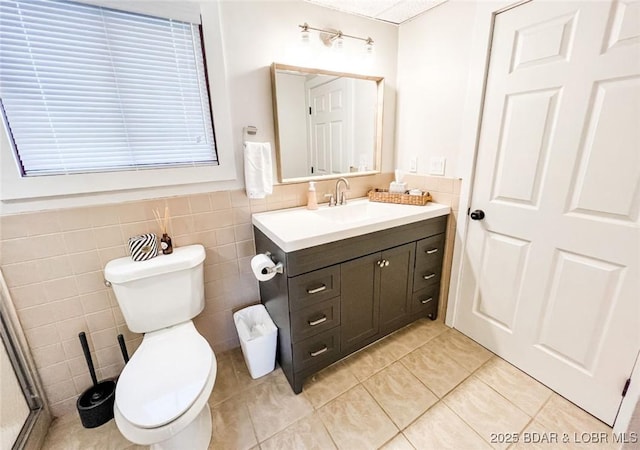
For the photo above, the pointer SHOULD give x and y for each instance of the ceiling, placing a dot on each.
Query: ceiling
(394, 11)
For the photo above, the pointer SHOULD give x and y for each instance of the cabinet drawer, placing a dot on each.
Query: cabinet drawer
(426, 276)
(429, 251)
(428, 270)
(316, 349)
(314, 287)
(315, 319)
(426, 300)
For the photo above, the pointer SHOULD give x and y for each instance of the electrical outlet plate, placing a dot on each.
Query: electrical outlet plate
(413, 165)
(436, 165)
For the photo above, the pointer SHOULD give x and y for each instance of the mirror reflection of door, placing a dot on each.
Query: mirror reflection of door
(330, 114)
(327, 123)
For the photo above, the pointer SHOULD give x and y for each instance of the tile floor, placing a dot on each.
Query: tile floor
(426, 387)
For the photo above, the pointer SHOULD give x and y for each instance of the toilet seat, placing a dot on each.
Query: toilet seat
(165, 376)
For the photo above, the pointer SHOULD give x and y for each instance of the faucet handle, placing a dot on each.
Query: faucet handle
(332, 199)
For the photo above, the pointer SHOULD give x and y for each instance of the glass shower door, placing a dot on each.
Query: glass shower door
(14, 409)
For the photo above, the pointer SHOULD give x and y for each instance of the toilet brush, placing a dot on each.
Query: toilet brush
(123, 348)
(95, 405)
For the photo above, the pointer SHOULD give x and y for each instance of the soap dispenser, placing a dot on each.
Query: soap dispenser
(312, 201)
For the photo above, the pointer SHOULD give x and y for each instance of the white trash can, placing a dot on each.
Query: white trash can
(258, 335)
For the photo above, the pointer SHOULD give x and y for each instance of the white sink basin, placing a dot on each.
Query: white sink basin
(298, 228)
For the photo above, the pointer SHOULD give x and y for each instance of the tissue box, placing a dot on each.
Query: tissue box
(397, 188)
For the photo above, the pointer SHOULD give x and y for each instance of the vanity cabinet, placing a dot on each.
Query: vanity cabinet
(336, 298)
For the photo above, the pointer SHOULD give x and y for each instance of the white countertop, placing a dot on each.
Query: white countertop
(298, 228)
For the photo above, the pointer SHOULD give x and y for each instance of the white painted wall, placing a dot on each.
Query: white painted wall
(433, 68)
(257, 34)
(254, 35)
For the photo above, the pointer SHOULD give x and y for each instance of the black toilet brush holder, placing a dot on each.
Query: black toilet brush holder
(95, 405)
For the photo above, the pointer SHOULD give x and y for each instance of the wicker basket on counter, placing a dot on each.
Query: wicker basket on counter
(384, 196)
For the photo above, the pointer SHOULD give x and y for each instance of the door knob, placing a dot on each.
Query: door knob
(478, 214)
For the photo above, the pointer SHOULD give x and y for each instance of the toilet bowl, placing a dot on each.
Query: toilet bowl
(162, 393)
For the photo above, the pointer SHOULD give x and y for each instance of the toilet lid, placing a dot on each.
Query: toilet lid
(165, 376)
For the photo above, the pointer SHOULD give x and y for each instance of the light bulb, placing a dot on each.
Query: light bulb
(338, 43)
(304, 36)
(368, 46)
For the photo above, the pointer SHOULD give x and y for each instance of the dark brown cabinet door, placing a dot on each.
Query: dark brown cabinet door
(360, 302)
(396, 281)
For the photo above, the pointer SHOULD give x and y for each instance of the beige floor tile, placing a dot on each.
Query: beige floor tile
(539, 437)
(409, 338)
(563, 416)
(440, 428)
(466, 352)
(273, 406)
(355, 421)
(518, 387)
(369, 361)
(308, 433)
(226, 384)
(242, 372)
(485, 410)
(328, 384)
(402, 396)
(232, 426)
(67, 433)
(398, 443)
(435, 369)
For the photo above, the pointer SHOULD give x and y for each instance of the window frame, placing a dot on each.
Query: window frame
(14, 187)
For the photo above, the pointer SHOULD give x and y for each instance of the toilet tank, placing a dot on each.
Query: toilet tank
(160, 292)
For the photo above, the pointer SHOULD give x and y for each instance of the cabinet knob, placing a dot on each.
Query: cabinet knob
(427, 300)
(383, 263)
(386, 263)
(428, 277)
(432, 251)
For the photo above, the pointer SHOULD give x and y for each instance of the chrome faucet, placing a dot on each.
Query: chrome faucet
(341, 197)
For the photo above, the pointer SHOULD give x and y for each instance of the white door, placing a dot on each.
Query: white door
(550, 277)
(330, 106)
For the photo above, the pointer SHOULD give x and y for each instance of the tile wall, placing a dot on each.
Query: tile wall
(52, 262)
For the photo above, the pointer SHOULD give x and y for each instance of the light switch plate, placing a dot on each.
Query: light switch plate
(413, 165)
(436, 165)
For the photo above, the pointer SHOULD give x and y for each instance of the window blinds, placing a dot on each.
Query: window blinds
(86, 88)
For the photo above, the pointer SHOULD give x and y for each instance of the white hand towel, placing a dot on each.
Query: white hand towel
(258, 173)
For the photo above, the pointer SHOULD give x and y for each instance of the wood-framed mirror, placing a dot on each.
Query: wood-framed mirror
(327, 124)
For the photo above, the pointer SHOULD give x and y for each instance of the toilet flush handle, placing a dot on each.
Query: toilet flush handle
(107, 283)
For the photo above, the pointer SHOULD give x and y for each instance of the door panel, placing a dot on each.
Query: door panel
(579, 307)
(330, 106)
(396, 283)
(360, 302)
(550, 277)
(614, 112)
(501, 274)
(528, 122)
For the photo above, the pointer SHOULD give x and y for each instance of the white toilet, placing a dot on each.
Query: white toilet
(162, 393)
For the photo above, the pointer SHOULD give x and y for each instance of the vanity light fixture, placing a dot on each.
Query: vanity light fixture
(333, 38)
